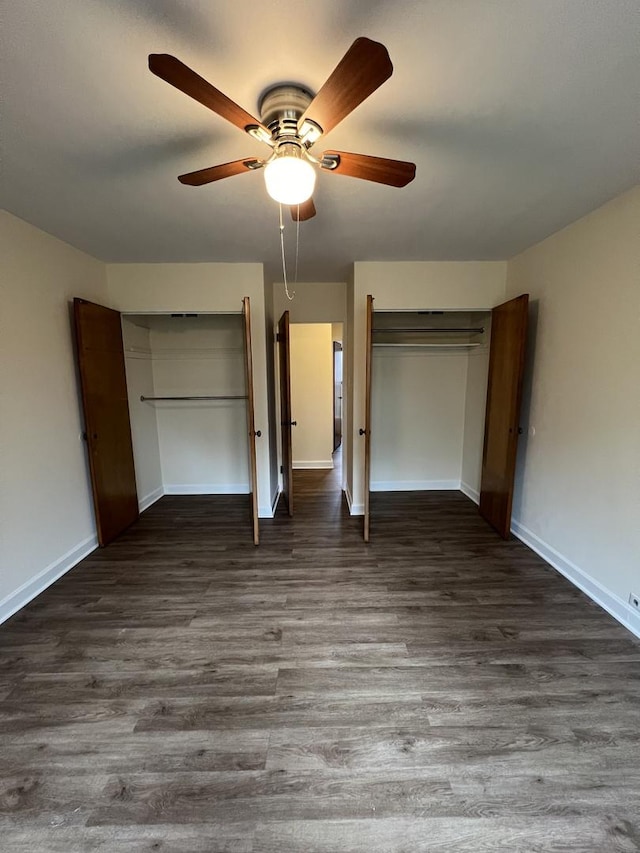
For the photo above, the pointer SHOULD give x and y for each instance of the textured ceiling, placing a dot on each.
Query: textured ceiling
(521, 115)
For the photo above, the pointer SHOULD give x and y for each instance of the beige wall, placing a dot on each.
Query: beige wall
(318, 302)
(201, 288)
(437, 285)
(578, 483)
(312, 394)
(471, 285)
(46, 513)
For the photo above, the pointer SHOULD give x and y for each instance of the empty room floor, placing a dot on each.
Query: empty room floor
(436, 690)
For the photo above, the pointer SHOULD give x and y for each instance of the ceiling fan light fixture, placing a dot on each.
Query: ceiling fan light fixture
(290, 177)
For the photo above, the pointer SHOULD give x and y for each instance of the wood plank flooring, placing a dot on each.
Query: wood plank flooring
(437, 690)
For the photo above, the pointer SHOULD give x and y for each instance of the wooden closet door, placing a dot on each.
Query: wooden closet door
(504, 393)
(284, 350)
(367, 418)
(251, 425)
(106, 415)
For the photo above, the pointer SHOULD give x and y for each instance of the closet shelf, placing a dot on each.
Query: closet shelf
(418, 329)
(414, 344)
(144, 399)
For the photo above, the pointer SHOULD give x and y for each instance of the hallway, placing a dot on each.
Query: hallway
(436, 690)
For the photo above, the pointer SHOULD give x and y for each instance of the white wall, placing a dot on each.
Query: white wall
(203, 444)
(417, 418)
(144, 424)
(312, 394)
(202, 288)
(406, 286)
(577, 496)
(46, 512)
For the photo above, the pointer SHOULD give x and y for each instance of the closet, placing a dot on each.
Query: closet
(428, 424)
(428, 390)
(190, 406)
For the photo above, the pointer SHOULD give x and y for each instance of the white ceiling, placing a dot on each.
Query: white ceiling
(521, 115)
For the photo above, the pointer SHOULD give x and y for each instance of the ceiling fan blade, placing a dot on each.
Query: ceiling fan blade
(217, 173)
(394, 173)
(363, 68)
(304, 211)
(178, 74)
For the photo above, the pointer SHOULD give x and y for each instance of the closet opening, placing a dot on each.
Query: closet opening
(310, 366)
(428, 392)
(190, 403)
(442, 404)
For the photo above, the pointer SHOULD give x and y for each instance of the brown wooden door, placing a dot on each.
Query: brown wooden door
(106, 415)
(284, 350)
(251, 425)
(367, 419)
(337, 395)
(504, 392)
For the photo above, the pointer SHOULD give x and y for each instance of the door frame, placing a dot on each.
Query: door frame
(284, 392)
(338, 347)
(366, 432)
(252, 434)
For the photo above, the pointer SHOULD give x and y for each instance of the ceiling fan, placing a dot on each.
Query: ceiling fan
(292, 121)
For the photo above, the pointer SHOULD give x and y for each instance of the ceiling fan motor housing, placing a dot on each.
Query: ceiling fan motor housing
(281, 108)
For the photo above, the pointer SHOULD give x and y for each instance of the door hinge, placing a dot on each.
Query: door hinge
(278, 337)
(281, 470)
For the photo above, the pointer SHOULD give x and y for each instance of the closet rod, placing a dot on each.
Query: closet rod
(478, 331)
(212, 397)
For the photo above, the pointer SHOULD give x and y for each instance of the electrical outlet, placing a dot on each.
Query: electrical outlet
(634, 600)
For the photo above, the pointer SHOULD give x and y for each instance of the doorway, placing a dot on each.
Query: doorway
(311, 410)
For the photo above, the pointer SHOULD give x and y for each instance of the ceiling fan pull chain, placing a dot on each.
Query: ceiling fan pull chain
(295, 281)
(284, 263)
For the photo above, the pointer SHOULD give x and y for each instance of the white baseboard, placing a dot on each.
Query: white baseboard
(415, 485)
(609, 601)
(33, 587)
(207, 489)
(264, 511)
(470, 492)
(354, 509)
(151, 498)
(347, 495)
(313, 463)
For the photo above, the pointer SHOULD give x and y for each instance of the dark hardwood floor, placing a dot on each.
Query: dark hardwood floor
(437, 690)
